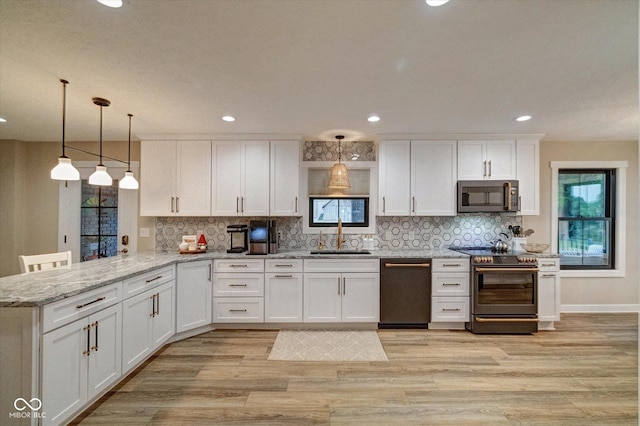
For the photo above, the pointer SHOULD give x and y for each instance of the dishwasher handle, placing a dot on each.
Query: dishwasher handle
(407, 265)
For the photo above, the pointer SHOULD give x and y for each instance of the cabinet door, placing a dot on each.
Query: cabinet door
(285, 178)
(528, 173)
(501, 159)
(64, 371)
(136, 330)
(158, 172)
(433, 178)
(193, 295)
(472, 163)
(283, 297)
(394, 178)
(193, 178)
(255, 179)
(548, 296)
(360, 298)
(164, 321)
(105, 361)
(322, 294)
(227, 160)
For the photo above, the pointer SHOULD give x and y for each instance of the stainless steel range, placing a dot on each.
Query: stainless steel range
(504, 292)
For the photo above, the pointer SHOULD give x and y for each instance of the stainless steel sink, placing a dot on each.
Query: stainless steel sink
(340, 252)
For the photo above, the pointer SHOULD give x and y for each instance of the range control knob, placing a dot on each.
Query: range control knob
(527, 259)
(483, 259)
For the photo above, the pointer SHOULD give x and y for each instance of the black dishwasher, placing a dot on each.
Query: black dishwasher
(405, 293)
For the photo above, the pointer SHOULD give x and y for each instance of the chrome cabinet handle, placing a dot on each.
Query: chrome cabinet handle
(172, 201)
(384, 204)
(451, 310)
(485, 169)
(237, 285)
(338, 286)
(237, 204)
(241, 204)
(296, 209)
(451, 284)
(489, 168)
(284, 276)
(237, 310)
(177, 204)
(209, 272)
(413, 204)
(243, 265)
(548, 275)
(451, 264)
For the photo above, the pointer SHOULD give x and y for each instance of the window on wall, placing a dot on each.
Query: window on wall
(586, 218)
(99, 221)
(325, 211)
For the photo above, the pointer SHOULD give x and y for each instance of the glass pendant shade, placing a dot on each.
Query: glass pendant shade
(100, 176)
(65, 170)
(339, 179)
(128, 182)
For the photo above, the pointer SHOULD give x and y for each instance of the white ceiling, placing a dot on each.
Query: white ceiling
(316, 67)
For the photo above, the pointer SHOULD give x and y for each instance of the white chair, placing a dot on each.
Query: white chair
(43, 262)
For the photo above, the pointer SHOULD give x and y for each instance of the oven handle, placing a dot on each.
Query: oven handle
(506, 269)
(481, 319)
(507, 204)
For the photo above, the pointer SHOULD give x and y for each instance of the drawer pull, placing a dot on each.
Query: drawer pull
(237, 285)
(451, 310)
(548, 264)
(548, 275)
(99, 299)
(154, 279)
(284, 265)
(237, 310)
(451, 284)
(243, 265)
(451, 265)
(284, 276)
(481, 319)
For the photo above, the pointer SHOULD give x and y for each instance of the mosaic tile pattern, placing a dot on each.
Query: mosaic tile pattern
(327, 345)
(328, 151)
(392, 233)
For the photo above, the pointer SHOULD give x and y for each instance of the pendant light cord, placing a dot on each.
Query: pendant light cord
(64, 111)
(129, 152)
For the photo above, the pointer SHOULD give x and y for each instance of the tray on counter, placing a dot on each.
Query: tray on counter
(192, 251)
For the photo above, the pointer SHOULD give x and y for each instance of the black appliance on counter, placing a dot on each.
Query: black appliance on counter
(405, 293)
(504, 292)
(488, 196)
(239, 238)
(263, 237)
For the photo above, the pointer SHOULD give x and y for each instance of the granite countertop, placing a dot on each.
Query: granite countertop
(40, 288)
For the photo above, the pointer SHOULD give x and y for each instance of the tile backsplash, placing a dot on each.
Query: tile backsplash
(392, 233)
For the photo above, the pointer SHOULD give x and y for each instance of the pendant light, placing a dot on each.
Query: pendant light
(100, 176)
(129, 182)
(339, 178)
(64, 170)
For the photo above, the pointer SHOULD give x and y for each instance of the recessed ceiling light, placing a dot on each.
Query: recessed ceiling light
(435, 3)
(3, 120)
(229, 118)
(111, 3)
(373, 119)
(523, 118)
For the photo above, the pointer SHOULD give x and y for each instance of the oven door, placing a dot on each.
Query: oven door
(505, 291)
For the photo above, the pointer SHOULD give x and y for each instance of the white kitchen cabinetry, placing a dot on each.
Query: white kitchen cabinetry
(238, 291)
(175, 178)
(283, 290)
(149, 319)
(285, 178)
(528, 174)
(548, 292)
(240, 178)
(417, 178)
(486, 159)
(450, 291)
(79, 361)
(193, 295)
(341, 290)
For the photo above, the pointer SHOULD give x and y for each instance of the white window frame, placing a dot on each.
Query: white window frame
(620, 215)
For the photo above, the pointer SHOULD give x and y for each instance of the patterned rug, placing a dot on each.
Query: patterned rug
(327, 345)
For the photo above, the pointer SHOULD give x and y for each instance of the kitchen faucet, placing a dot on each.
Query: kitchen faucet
(339, 239)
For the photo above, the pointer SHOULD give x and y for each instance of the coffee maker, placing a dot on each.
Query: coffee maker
(239, 238)
(263, 237)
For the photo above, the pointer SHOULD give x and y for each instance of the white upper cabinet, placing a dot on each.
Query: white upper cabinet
(285, 178)
(528, 169)
(486, 159)
(240, 178)
(417, 178)
(175, 178)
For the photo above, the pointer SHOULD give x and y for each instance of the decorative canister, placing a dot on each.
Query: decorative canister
(516, 247)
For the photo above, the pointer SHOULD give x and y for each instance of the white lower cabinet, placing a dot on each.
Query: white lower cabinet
(193, 295)
(450, 291)
(339, 296)
(283, 291)
(149, 321)
(548, 292)
(80, 360)
(238, 291)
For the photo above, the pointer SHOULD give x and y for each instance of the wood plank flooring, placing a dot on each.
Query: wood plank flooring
(585, 372)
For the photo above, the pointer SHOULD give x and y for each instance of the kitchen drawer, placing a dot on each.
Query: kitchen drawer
(228, 284)
(449, 309)
(341, 265)
(239, 265)
(450, 284)
(238, 309)
(283, 265)
(66, 311)
(549, 263)
(141, 283)
(450, 265)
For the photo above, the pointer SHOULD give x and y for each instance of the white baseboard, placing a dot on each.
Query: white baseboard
(600, 308)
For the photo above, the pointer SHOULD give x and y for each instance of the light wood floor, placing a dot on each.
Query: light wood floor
(585, 372)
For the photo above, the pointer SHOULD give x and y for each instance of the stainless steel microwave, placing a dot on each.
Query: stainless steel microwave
(488, 196)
